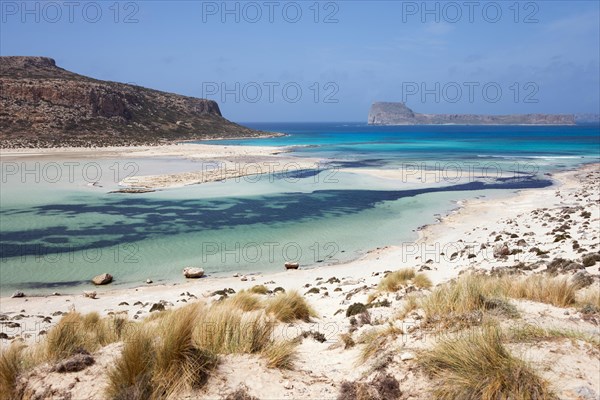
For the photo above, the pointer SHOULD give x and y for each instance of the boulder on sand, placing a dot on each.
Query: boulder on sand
(292, 265)
(102, 279)
(91, 295)
(193, 273)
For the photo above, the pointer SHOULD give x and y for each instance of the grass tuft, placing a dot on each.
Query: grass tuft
(259, 289)
(422, 281)
(557, 291)
(75, 332)
(290, 306)
(374, 340)
(347, 340)
(534, 333)
(224, 329)
(245, 301)
(395, 280)
(467, 300)
(281, 354)
(186, 347)
(179, 364)
(11, 365)
(131, 376)
(589, 297)
(460, 303)
(411, 303)
(478, 366)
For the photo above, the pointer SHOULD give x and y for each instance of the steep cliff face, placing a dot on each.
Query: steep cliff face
(42, 105)
(399, 114)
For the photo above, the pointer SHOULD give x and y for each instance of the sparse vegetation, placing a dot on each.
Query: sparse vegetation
(478, 366)
(347, 340)
(76, 331)
(535, 333)
(422, 281)
(313, 290)
(467, 300)
(259, 289)
(380, 303)
(374, 340)
(382, 387)
(589, 298)
(290, 306)
(186, 349)
(131, 376)
(223, 329)
(590, 259)
(356, 308)
(245, 301)
(395, 280)
(316, 335)
(280, 354)
(459, 304)
(164, 367)
(179, 363)
(411, 303)
(557, 291)
(11, 365)
(240, 394)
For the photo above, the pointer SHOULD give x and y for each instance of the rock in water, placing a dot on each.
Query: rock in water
(292, 265)
(18, 293)
(102, 279)
(193, 273)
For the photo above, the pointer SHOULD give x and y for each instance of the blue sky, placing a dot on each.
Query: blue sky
(543, 56)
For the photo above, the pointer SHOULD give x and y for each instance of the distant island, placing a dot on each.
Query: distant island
(42, 105)
(388, 113)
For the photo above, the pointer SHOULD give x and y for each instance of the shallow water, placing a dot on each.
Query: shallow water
(58, 233)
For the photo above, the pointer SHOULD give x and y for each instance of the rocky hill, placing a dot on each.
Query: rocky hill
(42, 105)
(399, 114)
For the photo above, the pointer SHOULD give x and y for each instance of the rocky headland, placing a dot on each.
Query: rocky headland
(387, 113)
(43, 105)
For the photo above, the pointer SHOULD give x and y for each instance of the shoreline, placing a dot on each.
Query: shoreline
(9, 150)
(376, 260)
(177, 149)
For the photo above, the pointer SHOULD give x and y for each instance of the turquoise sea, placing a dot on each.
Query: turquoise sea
(59, 225)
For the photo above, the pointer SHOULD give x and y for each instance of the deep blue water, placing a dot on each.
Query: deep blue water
(450, 142)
